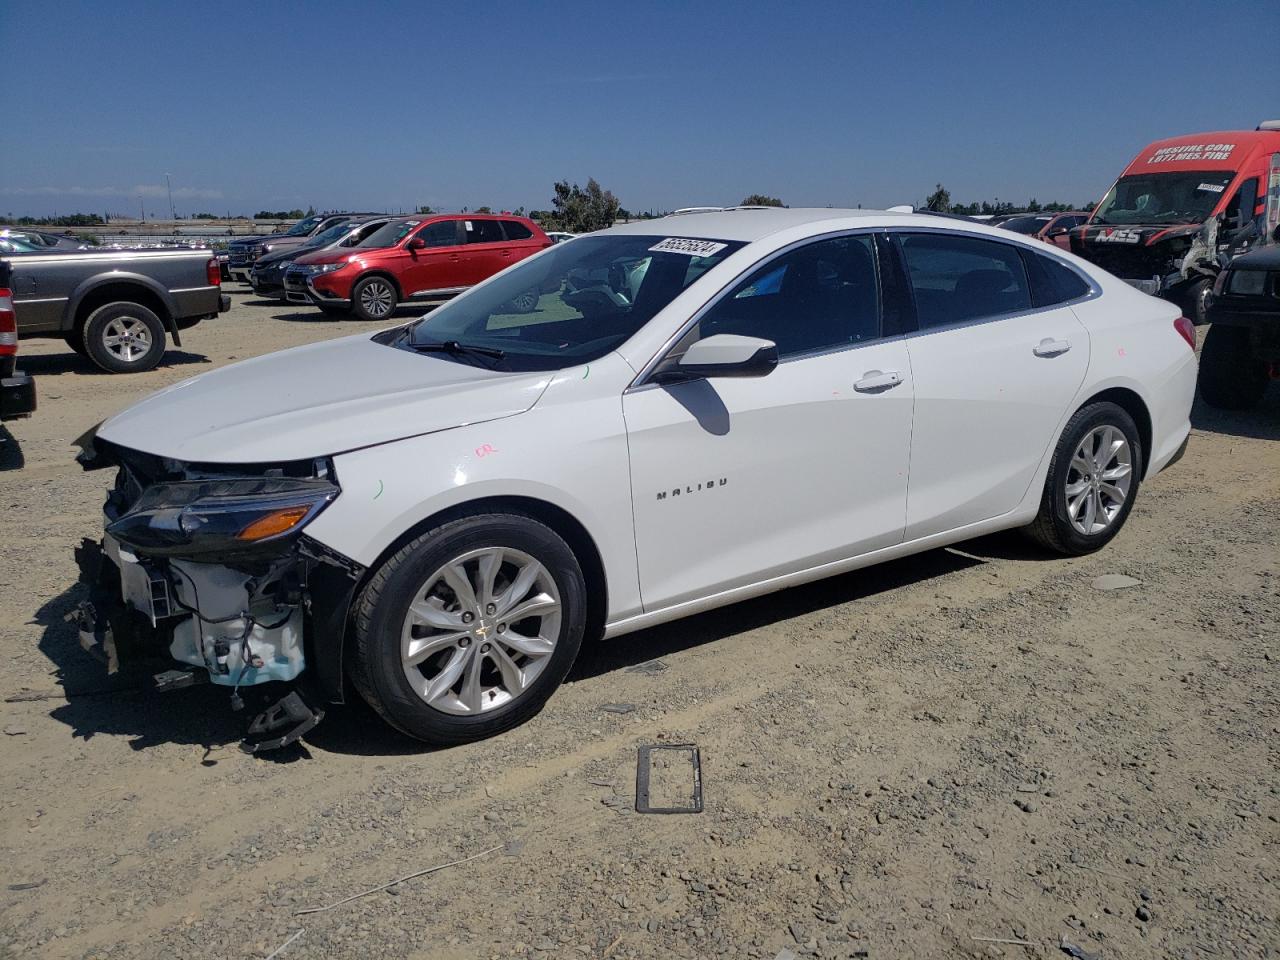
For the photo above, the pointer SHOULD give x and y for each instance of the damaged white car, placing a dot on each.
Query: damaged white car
(697, 410)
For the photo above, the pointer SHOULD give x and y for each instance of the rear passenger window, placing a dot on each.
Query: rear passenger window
(956, 278)
(820, 297)
(1052, 282)
(483, 231)
(515, 230)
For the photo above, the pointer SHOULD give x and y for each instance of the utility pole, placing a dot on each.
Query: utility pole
(142, 208)
(173, 214)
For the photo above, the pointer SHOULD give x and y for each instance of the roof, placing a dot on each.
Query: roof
(1267, 258)
(1216, 150)
(749, 223)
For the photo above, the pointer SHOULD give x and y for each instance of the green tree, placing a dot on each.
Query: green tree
(579, 210)
(424, 211)
(760, 200)
(484, 209)
(939, 201)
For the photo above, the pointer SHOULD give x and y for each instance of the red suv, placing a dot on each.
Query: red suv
(432, 257)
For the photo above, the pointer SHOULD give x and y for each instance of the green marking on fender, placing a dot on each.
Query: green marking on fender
(586, 372)
(379, 493)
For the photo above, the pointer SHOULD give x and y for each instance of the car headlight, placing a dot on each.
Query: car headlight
(219, 518)
(315, 269)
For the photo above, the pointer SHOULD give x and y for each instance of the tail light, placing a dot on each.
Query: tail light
(1187, 329)
(8, 325)
(213, 273)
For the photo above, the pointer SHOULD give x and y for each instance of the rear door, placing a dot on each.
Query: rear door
(995, 369)
(487, 250)
(520, 240)
(439, 266)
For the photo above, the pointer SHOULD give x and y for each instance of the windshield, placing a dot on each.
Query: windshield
(303, 227)
(332, 235)
(12, 244)
(390, 234)
(572, 304)
(1163, 198)
(1026, 224)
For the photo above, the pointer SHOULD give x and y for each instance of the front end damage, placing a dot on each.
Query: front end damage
(206, 569)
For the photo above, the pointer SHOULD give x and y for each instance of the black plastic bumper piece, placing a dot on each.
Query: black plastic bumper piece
(284, 722)
(17, 396)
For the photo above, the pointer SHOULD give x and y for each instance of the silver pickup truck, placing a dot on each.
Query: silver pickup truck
(115, 306)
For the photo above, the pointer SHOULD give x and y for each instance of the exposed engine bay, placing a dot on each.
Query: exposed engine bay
(204, 568)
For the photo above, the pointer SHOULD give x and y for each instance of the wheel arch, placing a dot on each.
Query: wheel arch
(1131, 403)
(565, 524)
(378, 272)
(123, 288)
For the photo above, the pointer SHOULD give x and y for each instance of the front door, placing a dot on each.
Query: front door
(736, 481)
(438, 265)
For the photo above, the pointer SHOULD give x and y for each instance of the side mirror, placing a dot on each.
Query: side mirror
(722, 355)
(417, 243)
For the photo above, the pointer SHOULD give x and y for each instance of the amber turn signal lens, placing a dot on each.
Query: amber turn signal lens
(274, 523)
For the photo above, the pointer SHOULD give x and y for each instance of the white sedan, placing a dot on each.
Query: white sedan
(700, 409)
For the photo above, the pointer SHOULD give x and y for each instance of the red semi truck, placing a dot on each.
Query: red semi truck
(1183, 208)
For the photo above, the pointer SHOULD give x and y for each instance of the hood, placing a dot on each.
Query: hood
(1135, 234)
(317, 400)
(328, 256)
(245, 241)
(282, 256)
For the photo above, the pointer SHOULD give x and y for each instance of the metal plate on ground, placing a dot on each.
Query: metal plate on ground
(669, 779)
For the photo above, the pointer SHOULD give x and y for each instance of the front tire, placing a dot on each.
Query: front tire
(124, 338)
(1231, 377)
(468, 629)
(373, 298)
(1092, 482)
(1197, 299)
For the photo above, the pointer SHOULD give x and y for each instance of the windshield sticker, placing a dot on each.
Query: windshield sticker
(467, 225)
(1211, 187)
(690, 248)
(1193, 151)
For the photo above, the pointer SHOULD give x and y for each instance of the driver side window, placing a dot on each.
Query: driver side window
(822, 296)
(442, 233)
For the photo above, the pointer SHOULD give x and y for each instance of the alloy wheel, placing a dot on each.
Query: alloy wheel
(126, 338)
(1099, 479)
(376, 298)
(480, 630)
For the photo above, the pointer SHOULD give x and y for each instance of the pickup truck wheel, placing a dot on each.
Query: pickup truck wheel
(1198, 301)
(124, 338)
(468, 629)
(373, 298)
(1231, 377)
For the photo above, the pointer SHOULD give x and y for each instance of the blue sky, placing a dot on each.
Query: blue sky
(381, 106)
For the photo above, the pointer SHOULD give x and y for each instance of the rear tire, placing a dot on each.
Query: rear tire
(374, 299)
(1092, 482)
(124, 338)
(1231, 377)
(440, 663)
(75, 341)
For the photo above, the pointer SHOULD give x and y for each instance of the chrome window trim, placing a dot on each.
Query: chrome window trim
(195, 289)
(1094, 290)
(641, 381)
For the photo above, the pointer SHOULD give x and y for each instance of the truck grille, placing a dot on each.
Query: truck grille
(1129, 264)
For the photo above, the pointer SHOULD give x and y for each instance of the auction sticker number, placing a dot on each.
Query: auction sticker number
(690, 248)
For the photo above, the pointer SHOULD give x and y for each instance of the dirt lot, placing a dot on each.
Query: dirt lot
(973, 743)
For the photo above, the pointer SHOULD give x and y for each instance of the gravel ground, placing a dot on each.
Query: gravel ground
(972, 743)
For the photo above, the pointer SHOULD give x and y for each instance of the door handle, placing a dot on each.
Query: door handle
(874, 381)
(1048, 347)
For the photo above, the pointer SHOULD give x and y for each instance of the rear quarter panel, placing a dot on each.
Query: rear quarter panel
(1135, 346)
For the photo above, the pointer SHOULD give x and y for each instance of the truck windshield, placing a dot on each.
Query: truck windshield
(570, 305)
(303, 227)
(389, 235)
(1163, 198)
